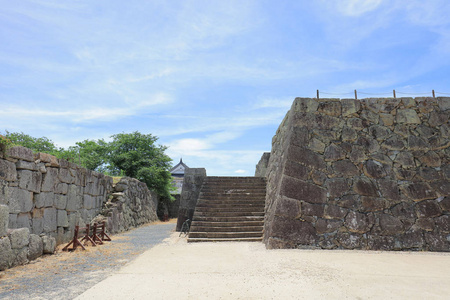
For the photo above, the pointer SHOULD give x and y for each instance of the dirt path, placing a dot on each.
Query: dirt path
(68, 274)
(177, 270)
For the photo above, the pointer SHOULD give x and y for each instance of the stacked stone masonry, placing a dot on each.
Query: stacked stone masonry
(361, 174)
(42, 198)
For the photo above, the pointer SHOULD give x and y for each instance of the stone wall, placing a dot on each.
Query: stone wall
(261, 167)
(361, 174)
(42, 198)
(193, 180)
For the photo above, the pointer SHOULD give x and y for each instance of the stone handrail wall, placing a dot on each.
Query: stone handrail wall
(192, 183)
(42, 198)
(361, 174)
(261, 167)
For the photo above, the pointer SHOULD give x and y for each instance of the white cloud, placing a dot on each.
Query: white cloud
(356, 8)
(240, 171)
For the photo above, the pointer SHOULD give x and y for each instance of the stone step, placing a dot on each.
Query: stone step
(231, 197)
(213, 210)
(228, 214)
(251, 234)
(222, 204)
(229, 224)
(198, 228)
(197, 240)
(227, 219)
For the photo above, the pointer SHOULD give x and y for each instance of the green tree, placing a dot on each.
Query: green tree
(41, 144)
(92, 155)
(138, 156)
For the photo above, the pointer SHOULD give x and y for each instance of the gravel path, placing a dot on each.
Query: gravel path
(67, 275)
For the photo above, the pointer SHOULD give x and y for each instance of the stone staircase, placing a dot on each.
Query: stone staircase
(229, 209)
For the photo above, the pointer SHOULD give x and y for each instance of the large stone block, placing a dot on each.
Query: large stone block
(405, 159)
(418, 191)
(332, 108)
(62, 219)
(20, 200)
(306, 157)
(296, 231)
(50, 180)
(408, 116)
(19, 238)
(23, 221)
(350, 106)
(390, 225)
(365, 187)
(297, 170)
(358, 222)
(349, 240)
(337, 187)
(394, 143)
(305, 105)
(44, 199)
(30, 180)
(379, 132)
(4, 220)
(430, 159)
(312, 210)
(286, 207)
(35, 247)
(66, 176)
(326, 226)
(20, 152)
(7, 170)
(49, 219)
(428, 208)
(416, 143)
(373, 203)
(60, 201)
(48, 244)
(334, 212)
(437, 118)
(6, 253)
(334, 152)
(26, 165)
(374, 169)
(74, 198)
(389, 189)
(301, 190)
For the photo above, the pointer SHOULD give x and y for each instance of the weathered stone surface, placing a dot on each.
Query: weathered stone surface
(65, 176)
(26, 165)
(37, 225)
(4, 220)
(387, 119)
(316, 145)
(23, 221)
(389, 189)
(349, 241)
(437, 118)
(357, 154)
(430, 159)
(318, 177)
(20, 200)
(60, 201)
(289, 208)
(6, 253)
(311, 210)
(345, 168)
(390, 225)
(444, 202)
(62, 188)
(50, 180)
(306, 157)
(20, 152)
(48, 244)
(29, 180)
(374, 169)
(444, 103)
(334, 212)
(385, 243)
(35, 248)
(436, 241)
(62, 219)
(371, 145)
(297, 170)
(305, 105)
(337, 187)
(442, 188)
(350, 106)
(429, 174)
(426, 224)
(394, 143)
(373, 203)
(417, 143)
(326, 226)
(405, 159)
(443, 223)
(7, 170)
(74, 198)
(20, 257)
(89, 202)
(408, 116)
(19, 237)
(44, 199)
(334, 152)
(379, 132)
(418, 191)
(302, 233)
(412, 239)
(301, 190)
(330, 108)
(428, 208)
(349, 134)
(365, 186)
(49, 219)
(358, 222)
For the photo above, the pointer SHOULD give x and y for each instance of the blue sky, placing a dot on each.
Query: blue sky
(212, 79)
